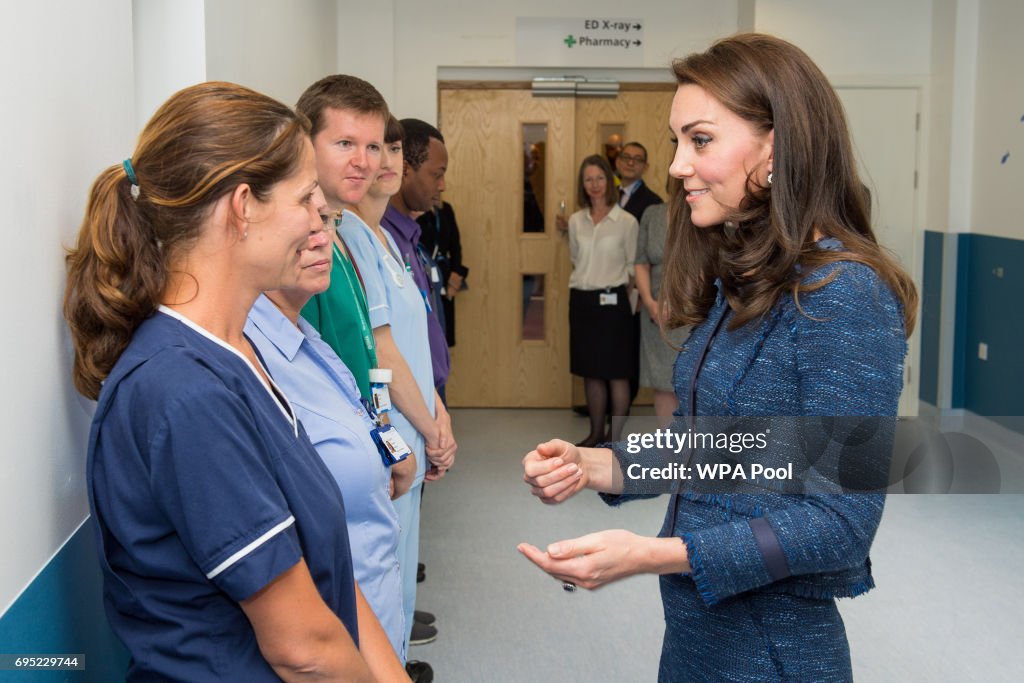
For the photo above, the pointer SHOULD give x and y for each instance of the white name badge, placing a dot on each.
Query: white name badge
(394, 443)
(381, 398)
(609, 298)
(435, 276)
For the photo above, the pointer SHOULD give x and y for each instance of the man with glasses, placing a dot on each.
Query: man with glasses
(630, 165)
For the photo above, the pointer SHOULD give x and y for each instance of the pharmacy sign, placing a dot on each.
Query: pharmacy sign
(604, 42)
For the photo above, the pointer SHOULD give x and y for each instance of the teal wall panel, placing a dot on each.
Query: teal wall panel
(963, 262)
(61, 612)
(990, 310)
(931, 317)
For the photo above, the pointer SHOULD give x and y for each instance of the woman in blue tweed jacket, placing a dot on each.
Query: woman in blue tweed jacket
(798, 313)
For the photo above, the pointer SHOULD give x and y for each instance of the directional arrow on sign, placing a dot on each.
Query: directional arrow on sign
(637, 27)
(637, 43)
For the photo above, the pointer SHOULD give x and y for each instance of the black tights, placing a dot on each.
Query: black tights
(597, 404)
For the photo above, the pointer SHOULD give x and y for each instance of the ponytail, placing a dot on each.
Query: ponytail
(201, 144)
(116, 274)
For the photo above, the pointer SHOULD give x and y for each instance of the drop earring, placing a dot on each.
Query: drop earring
(769, 177)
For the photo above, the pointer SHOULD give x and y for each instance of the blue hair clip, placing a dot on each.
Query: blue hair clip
(132, 178)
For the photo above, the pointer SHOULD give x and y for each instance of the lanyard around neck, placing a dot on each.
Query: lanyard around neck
(357, 293)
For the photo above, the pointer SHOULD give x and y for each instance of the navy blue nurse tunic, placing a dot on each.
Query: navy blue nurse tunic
(203, 489)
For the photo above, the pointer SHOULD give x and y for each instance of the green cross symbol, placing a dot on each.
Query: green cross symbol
(570, 41)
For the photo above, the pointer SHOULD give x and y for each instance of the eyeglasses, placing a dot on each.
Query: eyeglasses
(331, 222)
(630, 159)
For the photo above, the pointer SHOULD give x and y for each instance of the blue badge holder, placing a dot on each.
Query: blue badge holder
(390, 444)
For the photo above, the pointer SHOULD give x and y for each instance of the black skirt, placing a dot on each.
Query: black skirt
(602, 339)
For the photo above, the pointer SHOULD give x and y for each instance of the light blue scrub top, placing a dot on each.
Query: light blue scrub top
(325, 398)
(394, 299)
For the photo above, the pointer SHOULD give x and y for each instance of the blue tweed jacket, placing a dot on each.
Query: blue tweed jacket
(840, 353)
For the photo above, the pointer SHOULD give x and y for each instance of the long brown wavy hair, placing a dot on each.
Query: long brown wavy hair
(203, 143)
(767, 249)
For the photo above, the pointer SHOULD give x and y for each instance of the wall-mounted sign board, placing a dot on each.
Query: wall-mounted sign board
(597, 41)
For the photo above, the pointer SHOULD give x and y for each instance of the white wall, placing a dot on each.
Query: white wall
(68, 113)
(398, 45)
(366, 43)
(940, 104)
(953, 44)
(961, 141)
(862, 38)
(428, 35)
(273, 46)
(170, 50)
(998, 122)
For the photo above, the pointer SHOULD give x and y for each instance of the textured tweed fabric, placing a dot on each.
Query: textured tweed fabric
(736, 618)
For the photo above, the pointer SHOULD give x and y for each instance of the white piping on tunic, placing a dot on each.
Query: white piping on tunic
(288, 413)
(251, 547)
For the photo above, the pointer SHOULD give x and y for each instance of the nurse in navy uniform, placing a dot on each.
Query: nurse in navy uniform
(221, 533)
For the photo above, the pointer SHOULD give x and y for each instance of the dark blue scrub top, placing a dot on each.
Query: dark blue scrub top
(202, 492)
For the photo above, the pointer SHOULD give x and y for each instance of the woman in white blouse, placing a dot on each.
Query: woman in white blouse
(602, 245)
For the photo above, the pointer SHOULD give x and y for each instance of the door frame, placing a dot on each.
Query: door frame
(646, 396)
(910, 403)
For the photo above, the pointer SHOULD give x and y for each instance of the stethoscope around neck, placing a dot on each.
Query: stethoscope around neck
(391, 262)
(395, 269)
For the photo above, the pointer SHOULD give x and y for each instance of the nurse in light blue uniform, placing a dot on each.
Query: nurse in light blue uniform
(398, 315)
(326, 400)
(394, 299)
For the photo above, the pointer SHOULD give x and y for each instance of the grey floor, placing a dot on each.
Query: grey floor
(949, 604)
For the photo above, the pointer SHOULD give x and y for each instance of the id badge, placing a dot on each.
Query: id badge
(608, 298)
(391, 445)
(435, 276)
(381, 398)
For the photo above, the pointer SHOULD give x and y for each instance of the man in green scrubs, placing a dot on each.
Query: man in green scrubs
(348, 116)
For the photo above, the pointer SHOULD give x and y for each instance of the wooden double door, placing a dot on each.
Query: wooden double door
(513, 159)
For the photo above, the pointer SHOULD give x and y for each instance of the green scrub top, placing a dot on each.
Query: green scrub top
(340, 316)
